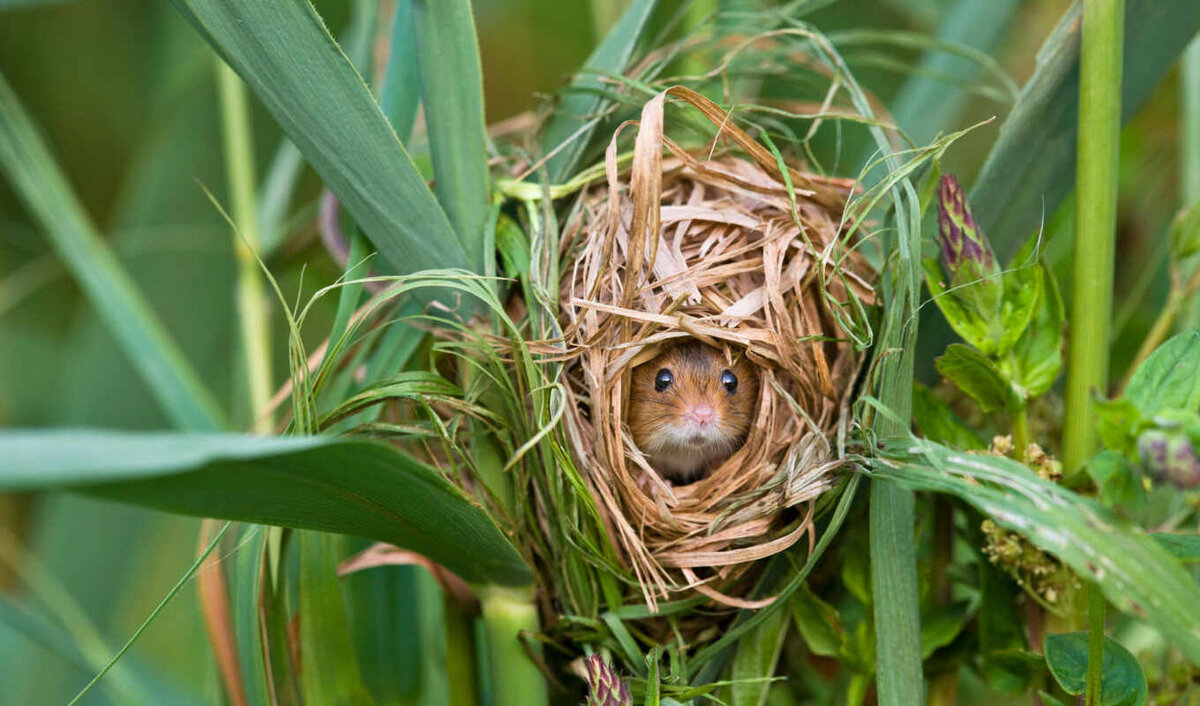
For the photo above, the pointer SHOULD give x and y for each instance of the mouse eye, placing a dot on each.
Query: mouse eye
(729, 380)
(663, 379)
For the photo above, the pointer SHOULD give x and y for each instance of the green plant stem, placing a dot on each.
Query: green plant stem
(1096, 183)
(1189, 148)
(252, 303)
(1020, 431)
(515, 678)
(1096, 215)
(1096, 607)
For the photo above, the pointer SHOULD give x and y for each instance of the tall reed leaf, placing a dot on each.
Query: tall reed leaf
(283, 51)
(1031, 166)
(582, 100)
(38, 181)
(330, 673)
(1080, 532)
(452, 90)
(355, 487)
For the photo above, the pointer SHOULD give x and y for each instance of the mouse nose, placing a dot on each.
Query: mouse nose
(702, 414)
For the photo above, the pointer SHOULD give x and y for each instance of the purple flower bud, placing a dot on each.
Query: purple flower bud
(1169, 457)
(966, 254)
(605, 687)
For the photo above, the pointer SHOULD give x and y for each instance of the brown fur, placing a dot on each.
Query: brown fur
(697, 369)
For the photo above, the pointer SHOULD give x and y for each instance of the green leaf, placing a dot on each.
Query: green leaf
(401, 93)
(939, 423)
(968, 324)
(975, 375)
(582, 101)
(757, 654)
(349, 486)
(1185, 233)
(1048, 700)
(818, 622)
(1022, 293)
(1135, 573)
(38, 181)
(246, 590)
(330, 674)
(1116, 480)
(1184, 547)
(941, 626)
(452, 90)
(1031, 166)
(1118, 422)
(1122, 682)
(1036, 358)
(283, 51)
(1169, 378)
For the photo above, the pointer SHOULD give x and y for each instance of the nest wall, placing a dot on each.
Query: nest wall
(728, 248)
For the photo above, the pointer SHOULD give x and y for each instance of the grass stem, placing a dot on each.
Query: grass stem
(1096, 607)
(252, 302)
(515, 679)
(1095, 242)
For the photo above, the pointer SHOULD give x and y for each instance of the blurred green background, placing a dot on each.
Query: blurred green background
(125, 92)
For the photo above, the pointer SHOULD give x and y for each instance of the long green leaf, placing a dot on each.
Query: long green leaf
(581, 101)
(1136, 574)
(452, 89)
(36, 178)
(401, 93)
(1030, 169)
(285, 54)
(350, 486)
(330, 674)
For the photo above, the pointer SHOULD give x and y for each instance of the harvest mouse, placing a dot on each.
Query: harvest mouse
(689, 410)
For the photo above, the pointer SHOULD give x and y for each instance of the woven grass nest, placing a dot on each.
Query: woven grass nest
(705, 244)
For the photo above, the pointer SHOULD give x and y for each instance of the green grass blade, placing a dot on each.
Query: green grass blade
(1137, 575)
(330, 674)
(401, 94)
(247, 590)
(580, 100)
(1030, 168)
(38, 181)
(355, 487)
(452, 90)
(283, 51)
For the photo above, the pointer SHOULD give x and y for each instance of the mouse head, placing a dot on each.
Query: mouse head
(690, 398)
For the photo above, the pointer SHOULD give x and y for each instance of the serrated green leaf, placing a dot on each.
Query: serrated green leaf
(818, 622)
(1122, 682)
(1135, 573)
(1116, 480)
(1184, 547)
(1036, 358)
(975, 375)
(966, 323)
(940, 626)
(1169, 378)
(581, 102)
(452, 92)
(939, 423)
(283, 51)
(1022, 292)
(38, 181)
(1185, 233)
(350, 486)
(1118, 422)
